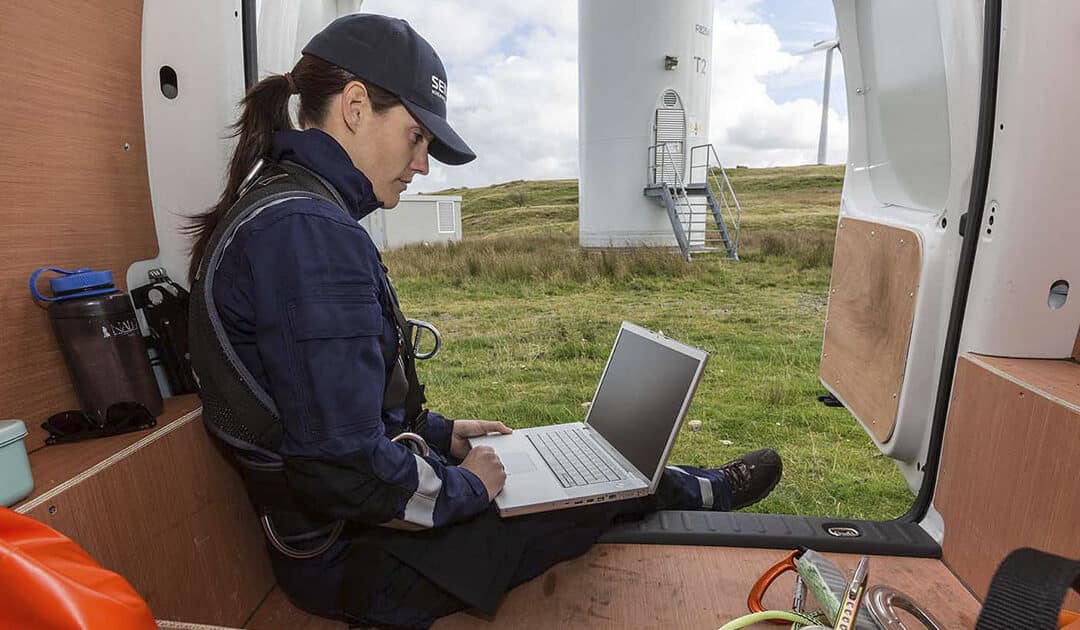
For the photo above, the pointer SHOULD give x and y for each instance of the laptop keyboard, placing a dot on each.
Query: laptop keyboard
(573, 459)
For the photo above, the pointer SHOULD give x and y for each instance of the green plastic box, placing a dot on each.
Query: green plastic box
(15, 480)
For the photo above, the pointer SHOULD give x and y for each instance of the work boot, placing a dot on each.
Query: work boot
(737, 484)
(752, 477)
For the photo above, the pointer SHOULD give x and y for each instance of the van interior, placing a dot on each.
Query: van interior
(950, 335)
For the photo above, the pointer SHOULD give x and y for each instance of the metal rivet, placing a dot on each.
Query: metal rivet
(127, 147)
(52, 509)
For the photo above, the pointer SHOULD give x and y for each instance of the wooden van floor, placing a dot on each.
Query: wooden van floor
(662, 586)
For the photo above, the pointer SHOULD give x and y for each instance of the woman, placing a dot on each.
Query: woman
(301, 295)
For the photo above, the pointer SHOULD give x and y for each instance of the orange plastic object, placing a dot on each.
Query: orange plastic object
(1069, 620)
(49, 583)
(757, 592)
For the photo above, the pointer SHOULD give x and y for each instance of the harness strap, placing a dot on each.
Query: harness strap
(415, 414)
(1027, 591)
(235, 407)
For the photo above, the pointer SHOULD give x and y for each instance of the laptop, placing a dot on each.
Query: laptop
(620, 451)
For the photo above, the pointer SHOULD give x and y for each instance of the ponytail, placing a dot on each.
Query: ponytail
(266, 110)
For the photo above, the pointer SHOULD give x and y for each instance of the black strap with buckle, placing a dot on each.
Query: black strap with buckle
(1027, 591)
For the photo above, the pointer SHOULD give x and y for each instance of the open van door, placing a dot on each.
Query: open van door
(912, 71)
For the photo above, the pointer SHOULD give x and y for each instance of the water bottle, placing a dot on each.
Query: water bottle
(101, 341)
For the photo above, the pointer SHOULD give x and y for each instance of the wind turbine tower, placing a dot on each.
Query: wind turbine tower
(829, 46)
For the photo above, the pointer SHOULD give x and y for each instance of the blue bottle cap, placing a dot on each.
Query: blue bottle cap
(73, 284)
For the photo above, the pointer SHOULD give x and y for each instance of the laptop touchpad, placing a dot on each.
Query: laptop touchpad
(517, 462)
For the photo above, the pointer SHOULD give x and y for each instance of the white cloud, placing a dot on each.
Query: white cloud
(747, 125)
(513, 88)
(512, 74)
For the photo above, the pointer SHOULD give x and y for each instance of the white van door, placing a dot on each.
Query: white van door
(912, 83)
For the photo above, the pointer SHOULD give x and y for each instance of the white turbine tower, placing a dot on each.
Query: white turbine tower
(829, 46)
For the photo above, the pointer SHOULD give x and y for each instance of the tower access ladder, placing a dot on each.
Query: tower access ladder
(690, 204)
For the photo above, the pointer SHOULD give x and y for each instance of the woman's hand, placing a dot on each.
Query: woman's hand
(465, 429)
(485, 464)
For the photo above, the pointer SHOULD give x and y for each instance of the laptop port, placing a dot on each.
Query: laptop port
(610, 496)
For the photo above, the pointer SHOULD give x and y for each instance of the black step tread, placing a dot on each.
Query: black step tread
(777, 531)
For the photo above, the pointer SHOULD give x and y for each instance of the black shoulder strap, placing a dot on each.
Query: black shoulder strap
(415, 413)
(1027, 591)
(235, 407)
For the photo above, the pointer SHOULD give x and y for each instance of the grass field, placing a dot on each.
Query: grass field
(528, 319)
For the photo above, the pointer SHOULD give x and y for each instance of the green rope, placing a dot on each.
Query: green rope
(782, 615)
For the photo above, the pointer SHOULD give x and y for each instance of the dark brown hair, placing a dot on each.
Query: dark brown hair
(266, 110)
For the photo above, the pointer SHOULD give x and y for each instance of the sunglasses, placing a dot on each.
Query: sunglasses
(75, 426)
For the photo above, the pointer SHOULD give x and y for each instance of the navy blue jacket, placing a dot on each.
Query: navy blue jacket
(302, 295)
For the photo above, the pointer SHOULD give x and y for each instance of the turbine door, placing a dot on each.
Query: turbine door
(911, 150)
(669, 136)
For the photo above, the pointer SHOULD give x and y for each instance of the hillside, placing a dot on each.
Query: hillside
(772, 199)
(528, 318)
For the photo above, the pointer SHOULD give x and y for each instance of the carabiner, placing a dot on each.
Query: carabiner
(419, 326)
(413, 442)
(757, 592)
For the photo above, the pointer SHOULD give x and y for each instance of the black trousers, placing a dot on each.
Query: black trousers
(410, 579)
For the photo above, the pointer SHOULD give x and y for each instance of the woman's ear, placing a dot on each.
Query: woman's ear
(355, 105)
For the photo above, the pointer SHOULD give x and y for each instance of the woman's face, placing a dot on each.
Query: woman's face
(390, 147)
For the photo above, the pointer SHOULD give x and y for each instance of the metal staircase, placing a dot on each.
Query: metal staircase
(690, 202)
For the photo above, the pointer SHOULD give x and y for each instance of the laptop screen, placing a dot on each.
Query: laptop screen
(640, 396)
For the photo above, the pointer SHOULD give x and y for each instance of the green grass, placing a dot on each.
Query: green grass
(528, 319)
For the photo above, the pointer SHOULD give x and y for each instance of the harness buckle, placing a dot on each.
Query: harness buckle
(413, 442)
(416, 331)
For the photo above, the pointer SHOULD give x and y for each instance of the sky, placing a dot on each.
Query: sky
(765, 104)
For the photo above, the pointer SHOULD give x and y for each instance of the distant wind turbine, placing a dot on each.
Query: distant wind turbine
(828, 45)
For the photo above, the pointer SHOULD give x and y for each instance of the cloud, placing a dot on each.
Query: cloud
(747, 125)
(512, 73)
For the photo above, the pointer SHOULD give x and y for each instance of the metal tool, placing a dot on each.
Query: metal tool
(882, 602)
(827, 583)
(416, 330)
(414, 442)
(799, 598)
(853, 596)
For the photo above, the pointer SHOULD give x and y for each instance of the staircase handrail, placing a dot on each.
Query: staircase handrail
(710, 179)
(679, 186)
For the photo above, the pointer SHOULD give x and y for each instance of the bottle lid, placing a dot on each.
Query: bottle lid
(11, 431)
(73, 284)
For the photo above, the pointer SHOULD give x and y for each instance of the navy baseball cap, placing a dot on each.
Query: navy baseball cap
(389, 53)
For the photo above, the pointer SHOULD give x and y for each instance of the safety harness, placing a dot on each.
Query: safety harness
(239, 412)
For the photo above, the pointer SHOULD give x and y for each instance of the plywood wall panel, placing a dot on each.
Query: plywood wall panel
(1010, 464)
(70, 193)
(875, 282)
(173, 518)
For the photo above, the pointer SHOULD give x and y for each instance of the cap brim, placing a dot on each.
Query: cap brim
(447, 147)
